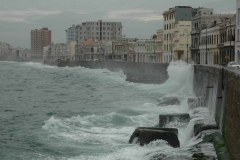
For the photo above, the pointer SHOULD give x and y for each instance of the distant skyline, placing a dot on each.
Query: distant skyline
(140, 18)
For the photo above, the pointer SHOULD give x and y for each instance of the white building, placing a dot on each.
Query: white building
(177, 28)
(71, 34)
(97, 30)
(56, 51)
(4, 50)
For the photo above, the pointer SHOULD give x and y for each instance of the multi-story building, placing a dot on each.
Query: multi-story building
(39, 39)
(27, 54)
(72, 50)
(227, 40)
(132, 51)
(237, 49)
(204, 18)
(159, 46)
(177, 27)
(71, 34)
(56, 51)
(4, 51)
(217, 43)
(209, 43)
(120, 50)
(94, 50)
(22, 54)
(97, 30)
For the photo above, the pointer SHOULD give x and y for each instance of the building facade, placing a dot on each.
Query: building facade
(237, 33)
(202, 20)
(177, 27)
(56, 51)
(94, 50)
(159, 46)
(39, 39)
(217, 43)
(71, 34)
(97, 30)
(4, 51)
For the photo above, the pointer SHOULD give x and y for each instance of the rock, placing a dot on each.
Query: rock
(147, 135)
(192, 103)
(195, 102)
(169, 101)
(167, 118)
(198, 128)
(198, 155)
(173, 130)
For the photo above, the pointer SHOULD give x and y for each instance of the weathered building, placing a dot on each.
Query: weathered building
(39, 39)
(237, 33)
(56, 51)
(97, 30)
(177, 27)
(217, 43)
(159, 46)
(4, 51)
(202, 20)
(71, 34)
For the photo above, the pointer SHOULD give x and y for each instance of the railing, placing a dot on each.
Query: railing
(228, 43)
(195, 31)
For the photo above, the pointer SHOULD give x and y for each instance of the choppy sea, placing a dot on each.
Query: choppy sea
(52, 113)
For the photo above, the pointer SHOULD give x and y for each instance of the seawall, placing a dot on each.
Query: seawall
(219, 89)
(149, 73)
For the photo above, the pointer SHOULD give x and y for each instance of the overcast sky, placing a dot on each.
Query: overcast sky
(140, 18)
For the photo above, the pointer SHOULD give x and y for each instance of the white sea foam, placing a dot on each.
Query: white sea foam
(107, 134)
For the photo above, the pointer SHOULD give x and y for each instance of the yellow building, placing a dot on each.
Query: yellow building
(177, 28)
(182, 41)
(72, 50)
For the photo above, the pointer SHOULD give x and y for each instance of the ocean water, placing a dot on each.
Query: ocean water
(86, 114)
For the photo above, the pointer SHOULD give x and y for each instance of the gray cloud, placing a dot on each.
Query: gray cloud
(140, 18)
(135, 14)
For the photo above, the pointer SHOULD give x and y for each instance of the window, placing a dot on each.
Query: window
(239, 16)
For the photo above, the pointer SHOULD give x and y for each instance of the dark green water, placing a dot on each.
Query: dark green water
(78, 113)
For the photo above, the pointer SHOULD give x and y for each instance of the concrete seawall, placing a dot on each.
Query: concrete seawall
(149, 73)
(219, 88)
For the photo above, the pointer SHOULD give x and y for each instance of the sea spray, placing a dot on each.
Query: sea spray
(87, 114)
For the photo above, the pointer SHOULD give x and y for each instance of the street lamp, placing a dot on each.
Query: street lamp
(92, 50)
(138, 52)
(206, 42)
(171, 46)
(154, 59)
(230, 38)
(187, 42)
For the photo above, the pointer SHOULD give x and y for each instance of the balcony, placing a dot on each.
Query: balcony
(176, 30)
(220, 45)
(175, 39)
(179, 48)
(229, 43)
(193, 48)
(195, 31)
(159, 40)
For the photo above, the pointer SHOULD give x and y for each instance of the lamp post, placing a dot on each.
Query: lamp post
(113, 47)
(230, 36)
(92, 50)
(138, 52)
(206, 42)
(154, 59)
(171, 48)
(187, 42)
